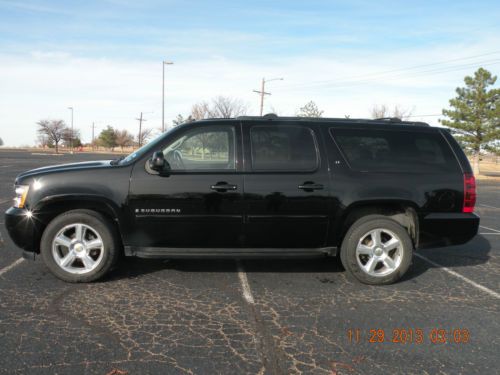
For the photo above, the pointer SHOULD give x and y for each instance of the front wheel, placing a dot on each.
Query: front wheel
(376, 250)
(80, 246)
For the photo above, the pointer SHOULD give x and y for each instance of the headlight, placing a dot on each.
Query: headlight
(21, 194)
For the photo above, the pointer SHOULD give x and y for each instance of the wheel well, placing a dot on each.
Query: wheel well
(402, 213)
(52, 210)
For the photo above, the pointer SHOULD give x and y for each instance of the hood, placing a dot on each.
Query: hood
(67, 167)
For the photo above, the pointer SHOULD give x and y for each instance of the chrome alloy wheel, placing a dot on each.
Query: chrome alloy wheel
(78, 248)
(379, 252)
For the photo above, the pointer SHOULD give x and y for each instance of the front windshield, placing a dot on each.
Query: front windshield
(147, 148)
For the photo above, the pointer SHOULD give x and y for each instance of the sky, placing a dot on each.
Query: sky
(104, 58)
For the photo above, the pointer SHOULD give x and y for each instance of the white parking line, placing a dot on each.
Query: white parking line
(5, 201)
(463, 278)
(494, 230)
(488, 206)
(247, 292)
(11, 266)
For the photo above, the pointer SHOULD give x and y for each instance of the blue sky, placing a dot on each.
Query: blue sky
(104, 57)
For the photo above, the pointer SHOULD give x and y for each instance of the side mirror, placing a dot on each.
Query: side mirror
(158, 163)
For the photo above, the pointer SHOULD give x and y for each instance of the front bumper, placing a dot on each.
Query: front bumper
(23, 229)
(447, 229)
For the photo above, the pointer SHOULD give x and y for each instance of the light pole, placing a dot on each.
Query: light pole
(262, 91)
(163, 95)
(71, 140)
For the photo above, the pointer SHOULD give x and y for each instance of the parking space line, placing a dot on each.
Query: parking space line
(245, 286)
(5, 201)
(488, 206)
(461, 277)
(494, 230)
(11, 266)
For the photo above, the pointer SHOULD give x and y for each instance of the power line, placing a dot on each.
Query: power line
(346, 83)
(384, 73)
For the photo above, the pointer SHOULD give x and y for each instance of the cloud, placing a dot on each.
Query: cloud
(43, 83)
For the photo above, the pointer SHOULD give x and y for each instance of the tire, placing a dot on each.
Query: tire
(370, 253)
(90, 238)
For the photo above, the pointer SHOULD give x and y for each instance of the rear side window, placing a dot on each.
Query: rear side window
(395, 151)
(283, 148)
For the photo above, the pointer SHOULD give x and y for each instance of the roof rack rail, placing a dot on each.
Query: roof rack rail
(390, 119)
(387, 120)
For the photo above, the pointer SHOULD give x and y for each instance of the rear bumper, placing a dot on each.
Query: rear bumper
(446, 229)
(22, 228)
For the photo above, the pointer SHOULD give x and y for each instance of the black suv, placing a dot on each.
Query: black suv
(369, 190)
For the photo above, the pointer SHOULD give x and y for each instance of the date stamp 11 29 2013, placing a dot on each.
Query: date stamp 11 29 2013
(405, 336)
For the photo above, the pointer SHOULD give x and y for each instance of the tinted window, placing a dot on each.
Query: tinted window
(283, 148)
(210, 148)
(395, 150)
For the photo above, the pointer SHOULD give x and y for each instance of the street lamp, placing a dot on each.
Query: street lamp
(71, 140)
(163, 95)
(262, 91)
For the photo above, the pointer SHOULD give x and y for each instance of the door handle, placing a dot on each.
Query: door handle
(310, 186)
(223, 186)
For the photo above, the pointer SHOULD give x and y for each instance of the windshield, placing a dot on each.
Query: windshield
(147, 148)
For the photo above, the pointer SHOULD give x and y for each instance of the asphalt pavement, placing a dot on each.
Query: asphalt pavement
(252, 316)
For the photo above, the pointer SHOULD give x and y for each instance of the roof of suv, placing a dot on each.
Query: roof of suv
(380, 121)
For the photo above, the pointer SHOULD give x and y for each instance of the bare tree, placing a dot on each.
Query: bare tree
(144, 136)
(199, 111)
(124, 138)
(220, 107)
(226, 107)
(43, 141)
(310, 110)
(53, 129)
(383, 111)
(380, 111)
(71, 137)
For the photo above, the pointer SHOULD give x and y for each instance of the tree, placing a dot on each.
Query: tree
(475, 114)
(144, 136)
(107, 138)
(179, 120)
(226, 107)
(71, 139)
(124, 138)
(54, 131)
(220, 107)
(383, 111)
(200, 111)
(310, 110)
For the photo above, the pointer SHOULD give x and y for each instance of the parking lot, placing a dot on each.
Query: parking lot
(252, 316)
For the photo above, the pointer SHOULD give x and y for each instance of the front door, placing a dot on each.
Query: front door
(286, 186)
(200, 203)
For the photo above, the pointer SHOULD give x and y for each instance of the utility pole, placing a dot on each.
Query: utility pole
(93, 139)
(263, 92)
(139, 138)
(71, 140)
(163, 95)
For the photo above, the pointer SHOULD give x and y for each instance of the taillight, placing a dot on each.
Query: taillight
(469, 193)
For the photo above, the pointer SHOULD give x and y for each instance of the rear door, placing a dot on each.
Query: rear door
(286, 185)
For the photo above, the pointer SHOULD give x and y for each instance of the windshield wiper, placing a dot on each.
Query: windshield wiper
(117, 161)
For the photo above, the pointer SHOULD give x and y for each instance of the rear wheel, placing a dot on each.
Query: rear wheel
(80, 246)
(376, 250)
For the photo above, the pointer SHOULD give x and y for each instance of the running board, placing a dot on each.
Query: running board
(181, 252)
